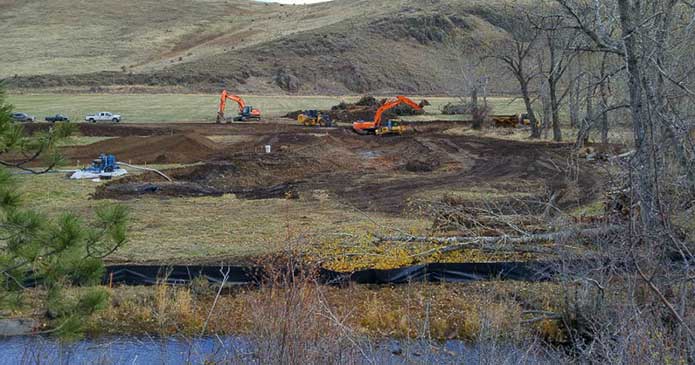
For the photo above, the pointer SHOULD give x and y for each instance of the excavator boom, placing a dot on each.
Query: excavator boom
(362, 127)
(380, 112)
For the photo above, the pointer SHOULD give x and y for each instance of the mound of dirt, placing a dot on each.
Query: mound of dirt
(456, 109)
(351, 112)
(421, 165)
(105, 130)
(123, 191)
(367, 101)
(253, 177)
(363, 109)
(177, 148)
(366, 107)
(293, 115)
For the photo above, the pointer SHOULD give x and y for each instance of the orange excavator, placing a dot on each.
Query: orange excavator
(391, 127)
(246, 112)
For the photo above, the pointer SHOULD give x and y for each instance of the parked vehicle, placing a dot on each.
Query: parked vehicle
(23, 117)
(57, 118)
(103, 117)
(312, 118)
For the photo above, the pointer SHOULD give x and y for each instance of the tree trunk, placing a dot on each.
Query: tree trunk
(604, 119)
(642, 158)
(485, 81)
(557, 132)
(573, 101)
(573, 107)
(475, 110)
(547, 107)
(553, 78)
(535, 131)
(589, 119)
(604, 102)
(604, 126)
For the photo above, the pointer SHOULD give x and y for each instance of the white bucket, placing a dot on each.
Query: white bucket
(267, 148)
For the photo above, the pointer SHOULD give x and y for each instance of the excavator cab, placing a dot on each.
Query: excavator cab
(246, 112)
(390, 127)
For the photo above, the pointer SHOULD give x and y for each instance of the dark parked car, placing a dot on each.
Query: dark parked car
(23, 117)
(57, 118)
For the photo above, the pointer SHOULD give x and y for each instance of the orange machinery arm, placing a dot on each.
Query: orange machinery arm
(400, 99)
(372, 125)
(223, 101)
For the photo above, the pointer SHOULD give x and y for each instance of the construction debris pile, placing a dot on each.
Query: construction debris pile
(457, 109)
(363, 109)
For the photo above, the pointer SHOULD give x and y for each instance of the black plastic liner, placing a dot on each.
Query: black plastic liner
(237, 275)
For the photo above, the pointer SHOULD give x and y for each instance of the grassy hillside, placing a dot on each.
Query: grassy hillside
(78, 36)
(338, 47)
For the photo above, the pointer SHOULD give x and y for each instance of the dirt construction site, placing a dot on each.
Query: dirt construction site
(337, 188)
(373, 173)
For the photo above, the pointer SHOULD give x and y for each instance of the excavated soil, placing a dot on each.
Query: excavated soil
(163, 149)
(367, 172)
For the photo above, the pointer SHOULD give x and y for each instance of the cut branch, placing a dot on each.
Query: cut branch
(503, 243)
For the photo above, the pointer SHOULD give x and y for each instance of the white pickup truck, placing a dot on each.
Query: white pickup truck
(103, 116)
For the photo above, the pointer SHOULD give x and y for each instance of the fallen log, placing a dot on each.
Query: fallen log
(504, 242)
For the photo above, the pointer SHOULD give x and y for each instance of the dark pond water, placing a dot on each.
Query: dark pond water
(229, 350)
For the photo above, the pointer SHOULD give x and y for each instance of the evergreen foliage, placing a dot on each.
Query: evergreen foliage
(52, 252)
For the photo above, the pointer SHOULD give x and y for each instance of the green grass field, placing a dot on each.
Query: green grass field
(168, 108)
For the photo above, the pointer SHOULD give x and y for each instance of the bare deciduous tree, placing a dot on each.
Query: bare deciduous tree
(516, 54)
(644, 45)
(556, 54)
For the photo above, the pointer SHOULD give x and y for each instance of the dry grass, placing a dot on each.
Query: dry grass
(622, 136)
(362, 253)
(437, 312)
(205, 229)
(195, 229)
